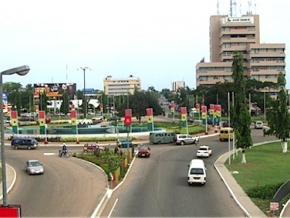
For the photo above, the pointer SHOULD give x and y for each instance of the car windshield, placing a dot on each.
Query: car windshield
(203, 149)
(34, 164)
(196, 171)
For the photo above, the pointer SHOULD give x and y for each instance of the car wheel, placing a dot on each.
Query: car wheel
(15, 147)
(182, 142)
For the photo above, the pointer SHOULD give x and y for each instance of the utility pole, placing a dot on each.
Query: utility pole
(84, 91)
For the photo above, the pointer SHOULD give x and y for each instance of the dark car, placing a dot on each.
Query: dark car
(226, 124)
(143, 151)
(27, 143)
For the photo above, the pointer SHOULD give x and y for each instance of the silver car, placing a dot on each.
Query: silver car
(182, 139)
(34, 167)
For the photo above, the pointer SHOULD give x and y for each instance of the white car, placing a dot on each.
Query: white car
(182, 139)
(204, 151)
(259, 125)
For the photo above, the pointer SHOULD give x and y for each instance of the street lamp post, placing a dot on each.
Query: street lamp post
(21, 71)
(84, 95)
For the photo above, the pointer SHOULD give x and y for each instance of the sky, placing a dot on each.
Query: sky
(158, 41)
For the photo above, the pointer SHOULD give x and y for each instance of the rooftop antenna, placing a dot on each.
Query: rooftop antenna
(218, 7)
(231, 8)
(249, 8)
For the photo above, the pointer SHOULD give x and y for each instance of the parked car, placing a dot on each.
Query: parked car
(124, 142)
(182, 139)
(143, 151)
(259, 124)
(27, 143)
(92, 147)
(116, 119)
(204, 151)
(34, 167)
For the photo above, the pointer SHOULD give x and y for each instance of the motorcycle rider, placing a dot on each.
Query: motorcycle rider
(63, 149)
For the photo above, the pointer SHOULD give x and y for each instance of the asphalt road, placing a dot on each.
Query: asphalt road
(157, 186)
(64, 190)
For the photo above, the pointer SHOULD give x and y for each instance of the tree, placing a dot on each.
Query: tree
(65, 105)
(278, 116)
(241, 119)
(138, 102)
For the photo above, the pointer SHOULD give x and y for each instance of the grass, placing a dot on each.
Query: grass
(266, 166)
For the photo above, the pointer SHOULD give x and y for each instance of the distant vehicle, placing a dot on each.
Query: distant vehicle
(96, 120)
(226, 124)
(259, 124)
(182, 139)
(92, 147)
(27, 143)
(123, 143)
(116, 119)
(161, 137)
(34, 167)
(226, 133)
(196, 172)
(143, 151)
(204, 151)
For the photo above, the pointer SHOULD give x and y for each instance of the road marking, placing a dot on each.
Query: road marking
(49, 154)
(113, 208)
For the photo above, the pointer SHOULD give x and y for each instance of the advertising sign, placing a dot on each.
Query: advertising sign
(54, 90)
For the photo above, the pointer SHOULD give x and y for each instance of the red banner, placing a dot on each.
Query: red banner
(149, 111)
(41, 115)
(73, 114)
(13, 114)
(183, 110)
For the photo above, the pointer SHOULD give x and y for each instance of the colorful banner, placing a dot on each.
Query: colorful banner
(73, 119)
(14, 122)
(183, 117)
(218, 113)
(203, 114)
(149, 112)
(197, 106)
(41, 121)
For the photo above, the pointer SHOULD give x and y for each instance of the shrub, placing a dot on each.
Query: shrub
(264, 192)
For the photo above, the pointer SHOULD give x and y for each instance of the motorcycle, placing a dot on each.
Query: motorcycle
(64, 153)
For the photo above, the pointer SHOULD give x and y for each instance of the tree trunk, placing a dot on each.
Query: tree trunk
(284, 146)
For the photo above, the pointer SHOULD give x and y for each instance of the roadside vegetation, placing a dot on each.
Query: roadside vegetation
(266, 170)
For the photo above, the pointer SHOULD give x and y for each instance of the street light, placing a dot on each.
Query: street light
(21, 71)
(84, 95)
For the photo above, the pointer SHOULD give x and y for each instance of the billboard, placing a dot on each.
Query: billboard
(55, 90)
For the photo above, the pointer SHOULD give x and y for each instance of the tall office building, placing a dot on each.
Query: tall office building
(178, 84)
(121, 86)
(262, 62)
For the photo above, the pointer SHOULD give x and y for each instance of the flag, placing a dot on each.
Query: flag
(183, 116)
(14, 122)
(149, 112)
